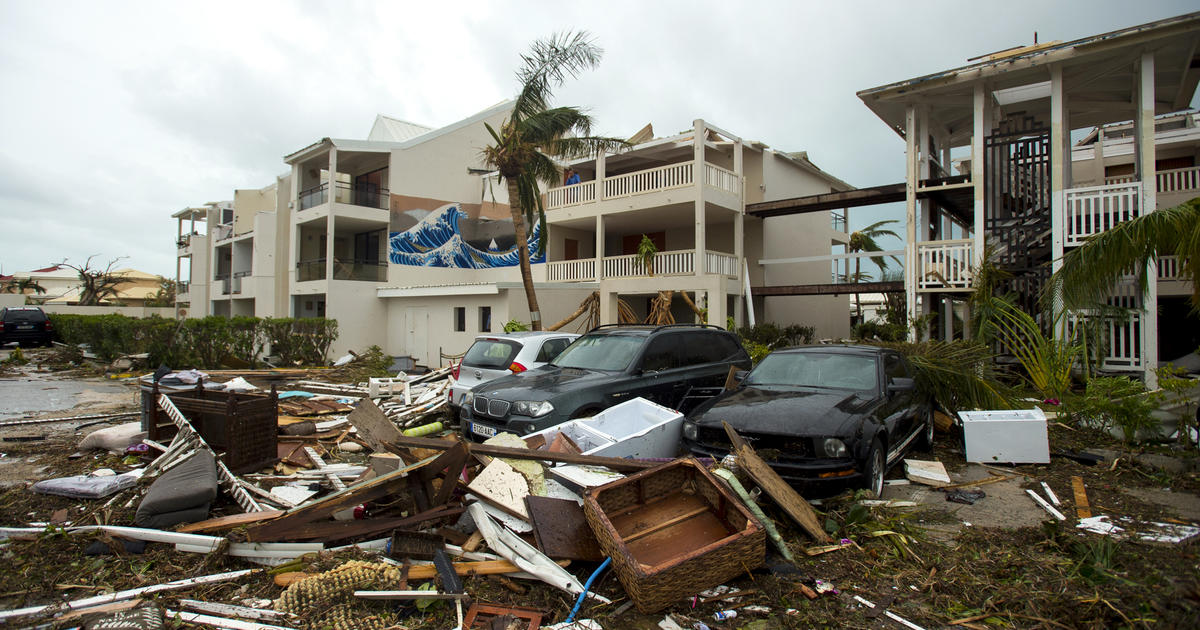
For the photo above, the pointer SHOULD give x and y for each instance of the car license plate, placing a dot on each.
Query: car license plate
(479, 429)
(25, 327)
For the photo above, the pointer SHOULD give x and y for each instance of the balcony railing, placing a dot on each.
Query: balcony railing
(944, 265)
(640, 182)
(222, 232)
(371, 271)
(672, 263)
(351, 194)
(237, 280)
(1171, 181)
(571, 270)
(839, 220)
(1095, 209)
(226, 285)
(181, 288)
(1169, 269)
(310, 270)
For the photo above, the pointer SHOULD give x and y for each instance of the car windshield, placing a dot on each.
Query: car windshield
(491, 353)
(816, 369)
(600, 352)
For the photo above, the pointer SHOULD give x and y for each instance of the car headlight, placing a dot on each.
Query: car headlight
(468, 398)
(830, 447)
(532, 408)
(690, 431)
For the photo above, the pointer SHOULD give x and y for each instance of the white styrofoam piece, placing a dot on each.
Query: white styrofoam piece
(556, 490)
(584, 477)
(1016, 436)
(292, 494)
(635, 428)
(502, 484)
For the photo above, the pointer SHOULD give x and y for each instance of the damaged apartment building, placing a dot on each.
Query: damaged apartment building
(405, 238)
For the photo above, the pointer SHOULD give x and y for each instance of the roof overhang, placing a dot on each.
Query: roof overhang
(1099, 72)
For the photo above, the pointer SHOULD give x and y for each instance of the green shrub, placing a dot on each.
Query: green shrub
(1114, 401)
(199, 342)
(881, 331)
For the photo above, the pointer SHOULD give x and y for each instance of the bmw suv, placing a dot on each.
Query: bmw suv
(676, 366)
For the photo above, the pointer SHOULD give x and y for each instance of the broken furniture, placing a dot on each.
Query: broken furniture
(242, 427)
(183, 494)
(672, 531)
(635, 428)
(1010, 436)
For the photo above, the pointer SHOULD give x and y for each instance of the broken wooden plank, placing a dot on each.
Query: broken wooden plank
(561, 529)
(339, 530)
(373, 425)
(229, 522)
(1042, 502)
(409, 595)
(1082, 508)
(784, 495)
(615, 463)
(930, 473)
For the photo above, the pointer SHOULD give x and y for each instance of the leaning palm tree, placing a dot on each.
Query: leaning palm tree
(524, 149)
(1089, 272)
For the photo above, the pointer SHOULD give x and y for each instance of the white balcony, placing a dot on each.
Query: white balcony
(651, 180)
(944, 265)
(1095, 209)
(1172, 181)
(672, 263)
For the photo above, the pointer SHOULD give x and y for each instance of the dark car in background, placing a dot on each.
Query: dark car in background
(821, 416)
(27, 325)
(676, 366)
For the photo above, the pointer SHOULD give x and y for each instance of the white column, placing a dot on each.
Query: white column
(982, 100)
(599, 247)
(601, 167)
(925, 216)
(700, 237)
(332, 195)
(1149, 174)
(739, 218)
(1060, 156)
(910, 215)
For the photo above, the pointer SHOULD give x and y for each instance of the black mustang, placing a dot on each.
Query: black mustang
(821, 416)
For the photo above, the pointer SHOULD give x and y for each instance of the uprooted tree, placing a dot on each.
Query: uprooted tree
(96, 284)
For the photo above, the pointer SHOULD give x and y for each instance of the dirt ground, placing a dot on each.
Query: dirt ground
(1002, 562)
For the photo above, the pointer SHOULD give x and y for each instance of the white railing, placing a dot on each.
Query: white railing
(1095, 209)
(650, 180)
(1179, 179)
(1170, 269)
(721, 178)
(571, 270)
(673, 263)
(1174, 180)
(720, 263)
(944, 265)
(584, 192)
(1121, 337)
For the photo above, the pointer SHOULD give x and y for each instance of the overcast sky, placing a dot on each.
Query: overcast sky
(116, 114)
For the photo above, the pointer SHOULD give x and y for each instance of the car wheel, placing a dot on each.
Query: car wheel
(584, 413)
(927, 433)
(875, 469)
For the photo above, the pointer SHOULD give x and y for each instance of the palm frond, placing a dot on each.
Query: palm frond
(959, 375)
(1089, 272)
(549, 62)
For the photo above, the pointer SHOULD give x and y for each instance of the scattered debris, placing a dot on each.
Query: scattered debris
(926, 472)
(1082, 508)
(1046, 506)
(1145, 531)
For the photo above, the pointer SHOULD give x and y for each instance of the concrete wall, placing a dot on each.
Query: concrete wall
(361, 316)
(128, 311)
(248, 203)
(437, 168)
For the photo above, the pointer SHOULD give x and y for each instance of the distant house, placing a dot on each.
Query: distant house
(62, 286)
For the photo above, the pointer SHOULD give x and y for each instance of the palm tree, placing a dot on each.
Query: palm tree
(1089, 272)
(864, 241)
(524, 148)
(22, 285)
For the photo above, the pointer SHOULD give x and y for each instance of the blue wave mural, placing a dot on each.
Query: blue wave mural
(436, 241)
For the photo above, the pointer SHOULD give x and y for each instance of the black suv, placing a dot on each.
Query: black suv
(676, 366)
(25, 324)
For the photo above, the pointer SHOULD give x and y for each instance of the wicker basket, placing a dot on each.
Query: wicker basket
(673, 531)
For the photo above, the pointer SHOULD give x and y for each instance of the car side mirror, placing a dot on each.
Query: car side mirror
(740, 375)
(900, 384)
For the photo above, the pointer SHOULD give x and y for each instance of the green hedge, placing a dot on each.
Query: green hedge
(199, 342)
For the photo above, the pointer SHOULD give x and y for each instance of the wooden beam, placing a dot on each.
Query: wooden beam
(829, 289)
(875, 195)
(783, 494)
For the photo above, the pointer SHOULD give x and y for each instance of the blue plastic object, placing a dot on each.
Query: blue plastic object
(587, 586)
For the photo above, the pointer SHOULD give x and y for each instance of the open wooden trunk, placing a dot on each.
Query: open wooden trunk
(673, 531)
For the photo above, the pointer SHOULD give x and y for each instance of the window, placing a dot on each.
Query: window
(665, 352)
(491, 353)
(551, 349)
(460, 318)
(485, 319)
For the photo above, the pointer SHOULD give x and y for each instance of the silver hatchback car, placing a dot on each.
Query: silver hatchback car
(496, 355)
